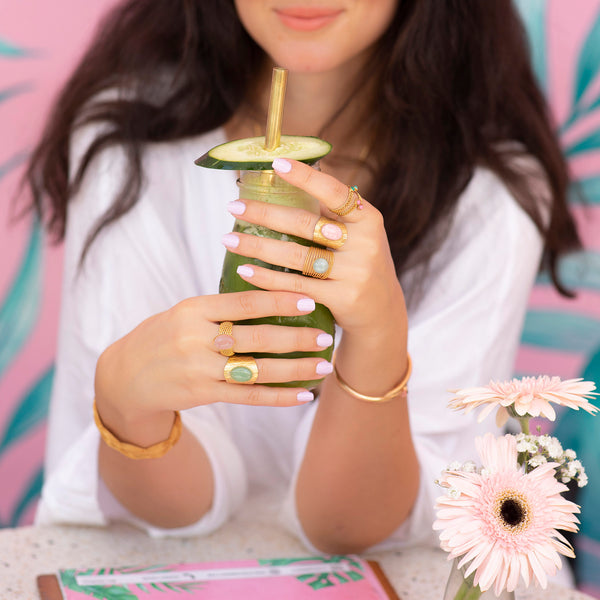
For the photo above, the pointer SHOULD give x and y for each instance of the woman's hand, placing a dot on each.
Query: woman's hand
(171, 361)
(362, 290)
(367, 485)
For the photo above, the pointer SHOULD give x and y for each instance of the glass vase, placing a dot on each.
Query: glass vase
(460, 587)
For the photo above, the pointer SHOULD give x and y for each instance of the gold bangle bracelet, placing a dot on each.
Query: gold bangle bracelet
(398, 390)
(138, 452)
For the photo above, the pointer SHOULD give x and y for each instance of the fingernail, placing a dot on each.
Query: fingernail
(305, 396)
(230, 240)
(236, 207)
(306, 304)
(331, 231)
(245, 271)
(324, 368)
(282, 166)
(324, 340)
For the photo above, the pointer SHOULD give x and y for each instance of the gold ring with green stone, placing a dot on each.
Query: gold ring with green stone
(318, 262)
(241, 369)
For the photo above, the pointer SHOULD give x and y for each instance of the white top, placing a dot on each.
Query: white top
(464, 332)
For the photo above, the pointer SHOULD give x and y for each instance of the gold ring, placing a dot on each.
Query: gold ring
(240, 369)
(318, 263)
(225, 328)
(330, 227)
(353, 200)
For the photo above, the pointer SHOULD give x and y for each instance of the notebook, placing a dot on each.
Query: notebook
(319, 578)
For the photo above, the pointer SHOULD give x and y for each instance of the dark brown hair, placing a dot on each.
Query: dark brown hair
(452, 83)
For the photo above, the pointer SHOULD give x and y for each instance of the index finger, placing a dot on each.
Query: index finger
(331, 192)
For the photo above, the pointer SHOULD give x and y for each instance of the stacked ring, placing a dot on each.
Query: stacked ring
(318, 263)
(337, 234)
(241, 369)
(353, 200)
(225, 328)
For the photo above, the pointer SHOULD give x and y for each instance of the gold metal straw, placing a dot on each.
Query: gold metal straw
(275, 114)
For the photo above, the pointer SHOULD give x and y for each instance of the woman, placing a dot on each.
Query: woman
(433, 112)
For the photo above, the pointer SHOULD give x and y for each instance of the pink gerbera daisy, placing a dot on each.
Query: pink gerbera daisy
(503, 521)
(527, 397)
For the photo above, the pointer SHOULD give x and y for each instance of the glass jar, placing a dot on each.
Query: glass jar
(266, 186)
(460, 587)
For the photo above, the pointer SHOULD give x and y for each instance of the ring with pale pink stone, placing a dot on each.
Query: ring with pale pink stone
(225, 328)
(329, 233)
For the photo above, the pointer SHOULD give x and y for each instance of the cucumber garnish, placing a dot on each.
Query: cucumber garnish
(249, 154)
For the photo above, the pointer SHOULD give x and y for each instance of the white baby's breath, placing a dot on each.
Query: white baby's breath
(537, 460)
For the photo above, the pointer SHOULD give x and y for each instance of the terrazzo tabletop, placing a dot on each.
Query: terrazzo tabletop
(416, 574)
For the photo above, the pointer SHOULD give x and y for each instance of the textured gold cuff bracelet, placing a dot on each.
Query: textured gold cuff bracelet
(138, 452)
(399, 390)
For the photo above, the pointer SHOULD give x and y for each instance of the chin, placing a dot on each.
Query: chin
(306, 60)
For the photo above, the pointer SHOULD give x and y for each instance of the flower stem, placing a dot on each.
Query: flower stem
(467, 592)
(524, 421)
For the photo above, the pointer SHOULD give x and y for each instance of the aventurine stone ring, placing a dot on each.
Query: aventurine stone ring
(318, 263)
(240, 369)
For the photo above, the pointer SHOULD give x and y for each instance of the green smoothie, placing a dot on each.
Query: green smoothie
(266, 186)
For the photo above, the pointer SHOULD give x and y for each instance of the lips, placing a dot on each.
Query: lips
(307, 18)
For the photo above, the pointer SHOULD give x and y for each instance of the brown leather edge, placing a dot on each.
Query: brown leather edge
(49, 588)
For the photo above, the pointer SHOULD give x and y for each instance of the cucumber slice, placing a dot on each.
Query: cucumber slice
(249, 154)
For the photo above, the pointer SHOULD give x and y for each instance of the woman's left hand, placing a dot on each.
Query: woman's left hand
(362, 289)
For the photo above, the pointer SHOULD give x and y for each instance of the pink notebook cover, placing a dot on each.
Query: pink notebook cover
(319, 578)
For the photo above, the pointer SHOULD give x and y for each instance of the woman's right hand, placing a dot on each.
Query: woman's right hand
(171, 361)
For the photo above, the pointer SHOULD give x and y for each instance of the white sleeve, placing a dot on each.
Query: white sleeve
(137, 267)
(464, 332)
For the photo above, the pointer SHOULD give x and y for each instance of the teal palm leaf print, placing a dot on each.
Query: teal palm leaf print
(319, 581)
(30, 412)
(589, 188)
(571, 332)
(9, 50)
(581, 271)
(28, 497)
(588, 68)
(19, 314)
(21, 305)
(68, 578)
(14, 90)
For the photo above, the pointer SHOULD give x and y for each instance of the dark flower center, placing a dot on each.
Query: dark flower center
(512, 511)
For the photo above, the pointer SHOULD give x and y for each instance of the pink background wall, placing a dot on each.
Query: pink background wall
(567, 27)
(39, 43)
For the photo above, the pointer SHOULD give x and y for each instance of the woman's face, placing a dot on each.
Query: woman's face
(315, 35)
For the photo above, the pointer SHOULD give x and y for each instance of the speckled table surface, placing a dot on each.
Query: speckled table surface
(417, 574)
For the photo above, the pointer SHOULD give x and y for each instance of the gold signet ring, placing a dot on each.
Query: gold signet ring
(332, 234)
(241, 369)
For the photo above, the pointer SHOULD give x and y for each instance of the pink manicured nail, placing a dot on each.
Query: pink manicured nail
(306, 304)
(324, 368)
(282, 166)
(305, 396)
(239, 208)
(324, 340)
(245, 271)
(331, 231)
(230, 240)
